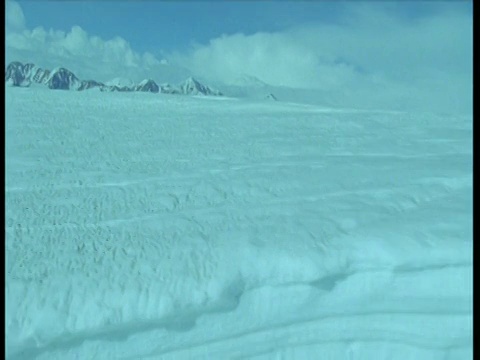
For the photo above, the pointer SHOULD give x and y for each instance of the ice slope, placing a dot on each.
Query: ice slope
(160, 227)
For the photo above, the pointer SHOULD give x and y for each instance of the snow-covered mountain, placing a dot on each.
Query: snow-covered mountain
(121, 83)
(18, 74)
(89, 84)
(190, 86)
(147, 85)
(194, 87)
(248, 80)
(106, 88)
(15, 76)
(63, 79)
(169, 89)
(36, 74)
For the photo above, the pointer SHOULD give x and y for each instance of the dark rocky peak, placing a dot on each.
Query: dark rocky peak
(63, 79)
(147, 85)
(15, 74)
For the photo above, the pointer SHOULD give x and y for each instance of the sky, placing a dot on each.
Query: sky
(390, 50)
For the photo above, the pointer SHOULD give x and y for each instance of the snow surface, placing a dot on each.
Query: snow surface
(142, 226)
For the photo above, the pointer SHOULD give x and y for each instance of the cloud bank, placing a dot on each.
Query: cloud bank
(371, 55)
(87, 55)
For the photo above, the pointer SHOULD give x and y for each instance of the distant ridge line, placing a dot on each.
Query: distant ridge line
(23, 75)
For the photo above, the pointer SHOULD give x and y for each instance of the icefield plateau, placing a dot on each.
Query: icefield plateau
(150, 226)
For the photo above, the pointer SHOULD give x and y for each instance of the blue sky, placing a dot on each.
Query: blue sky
(174, 25)
(388, 52)
(158, 26)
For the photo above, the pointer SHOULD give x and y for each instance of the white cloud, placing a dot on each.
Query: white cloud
(76, 49)
(370, 53)
(14, 18)
(86, 55)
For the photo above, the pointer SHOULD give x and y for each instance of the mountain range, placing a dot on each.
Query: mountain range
(18, 74)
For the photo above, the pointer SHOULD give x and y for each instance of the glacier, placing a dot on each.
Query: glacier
(164, 227)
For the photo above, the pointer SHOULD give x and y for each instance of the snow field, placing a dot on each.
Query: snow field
(160, 226)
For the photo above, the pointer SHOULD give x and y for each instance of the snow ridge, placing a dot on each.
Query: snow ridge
(20, 75)
(120, 82)
(193, 87)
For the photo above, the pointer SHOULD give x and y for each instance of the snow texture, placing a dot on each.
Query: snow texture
(169, 227)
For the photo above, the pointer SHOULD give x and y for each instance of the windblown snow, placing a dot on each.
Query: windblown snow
(146, 226)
